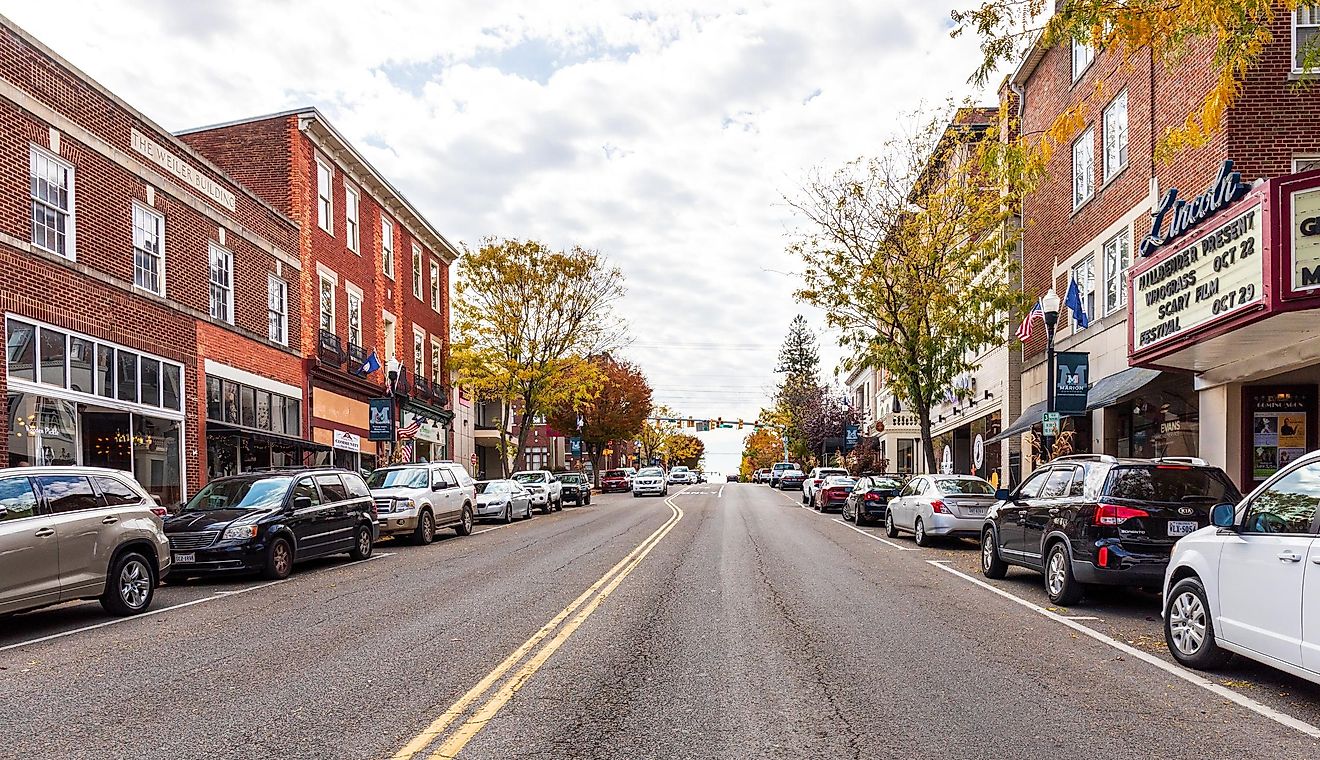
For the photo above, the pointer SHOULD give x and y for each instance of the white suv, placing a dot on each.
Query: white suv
(418, 499)
(547, 491)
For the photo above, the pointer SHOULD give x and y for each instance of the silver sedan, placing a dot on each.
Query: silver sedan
(940, 505)
(503, 500)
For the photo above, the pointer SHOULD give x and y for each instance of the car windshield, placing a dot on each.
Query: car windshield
(572, 477)
(968, 486)
(1171, 483)
(887, 483)
(529, 477)
(400, 477)
(839, 482)
(489, 486)
(786, 467)
(615, 474)
(652, 472)
(240, 493)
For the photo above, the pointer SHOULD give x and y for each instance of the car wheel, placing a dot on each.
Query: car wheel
(545, 510)
(508, 514)
(1188, 630)
(362, 545)
(425, 532)
(992, 565)
(130, 585)
(919, 534)
(279, 560)
(891, 530)
(464, 527)
(859, 518)
(635, 494)
(1060, 585)
(804, 497)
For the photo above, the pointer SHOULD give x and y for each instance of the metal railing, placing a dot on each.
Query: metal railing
(329, 349)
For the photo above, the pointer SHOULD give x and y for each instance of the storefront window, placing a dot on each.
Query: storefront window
(52, 357)
(126, 375)
(907, 456)
(81, 356)
(156, 460)
(21, 350)
(150, 381)
(171, 396)
(24, 435)
(106, 440)
(105, 371)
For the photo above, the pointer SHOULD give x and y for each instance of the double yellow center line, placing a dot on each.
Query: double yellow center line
(557, 631)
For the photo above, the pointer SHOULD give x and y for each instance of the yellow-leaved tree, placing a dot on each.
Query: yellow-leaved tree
(527, 319)
(761, 450)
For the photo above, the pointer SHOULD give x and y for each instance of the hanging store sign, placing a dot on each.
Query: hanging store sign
(1174, 217)
(380, 422)
(1221, 274)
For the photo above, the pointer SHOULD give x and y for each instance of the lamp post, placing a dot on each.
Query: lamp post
(1049, 306)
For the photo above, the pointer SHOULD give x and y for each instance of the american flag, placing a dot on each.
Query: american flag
(410, 430)
(1024, 329)
(407, 449)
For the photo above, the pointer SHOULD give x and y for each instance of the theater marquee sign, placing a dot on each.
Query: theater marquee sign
(1306, 240)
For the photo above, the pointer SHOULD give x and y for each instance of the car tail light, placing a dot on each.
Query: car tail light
(1110, 514)
(159, 511)
(939, 507)
(871, 496)
(1102, 559)
(833, 493)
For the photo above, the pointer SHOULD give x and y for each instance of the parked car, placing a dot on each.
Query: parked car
(779, 469)
(815, 478)
(833, 493)
(416, 500)
(650, 480)
(268, 521)
(1097, 520)
(615, 480)
(502, 500)
(681, 476)
(940, 505)
(732, 478)
(576, 488)
(71, 533)
(701, 476)
(790, 479)
(1243, 585)
(870, 498)
(547, 491)
(761, 476)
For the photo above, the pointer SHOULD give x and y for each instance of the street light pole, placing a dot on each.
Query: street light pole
(1049, 305)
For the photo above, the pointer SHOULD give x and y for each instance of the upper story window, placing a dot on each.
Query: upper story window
(354, 317)
(222, 284)
(417, 271)
(1305, 163)
(387, 245)
(1084, 168)
(1116, 135)
(277, 310)
(148, 249)
(419, 353)
(325, 207)
(1082, 56)
(1117, 257)
(435, 286)
(1084, 275)
(435, 361)
(52, 202)
(351, 217)
(1305, 27)
(327, 298)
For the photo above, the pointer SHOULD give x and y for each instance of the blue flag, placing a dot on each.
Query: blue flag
(370, 365)
(1074, 301)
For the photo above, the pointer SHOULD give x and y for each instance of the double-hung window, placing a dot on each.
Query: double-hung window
(222, 284)
(351, 217)
(1083, 273)
(1117, 257)
(51, 183)
(1082, 56)
(325, 205)
(1305, 27)
(435, 286)
(417, 271)
(1116, 135)
(387, 245)
(1084, 168)
(277, 310)
(419, 353)
(327, 299)
(148, 249)
(435, 361)
(354, 316)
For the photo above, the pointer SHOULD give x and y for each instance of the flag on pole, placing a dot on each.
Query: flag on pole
(1074, 301)
(410, 430)
(1024, 330)
(370, 365)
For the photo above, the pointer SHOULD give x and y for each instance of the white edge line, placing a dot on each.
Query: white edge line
(887, 542)
(720, 495)
(1222, 691)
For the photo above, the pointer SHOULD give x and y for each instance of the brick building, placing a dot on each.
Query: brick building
(1174, 367)
(376, 271)
(135, 274)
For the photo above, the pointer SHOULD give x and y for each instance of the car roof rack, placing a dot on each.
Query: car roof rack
(1194, 461)
(1106, 458)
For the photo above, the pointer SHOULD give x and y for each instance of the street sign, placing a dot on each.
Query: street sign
(380, 419)
(1050, 421)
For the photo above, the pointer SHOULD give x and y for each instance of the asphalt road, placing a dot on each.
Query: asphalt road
(724, 622)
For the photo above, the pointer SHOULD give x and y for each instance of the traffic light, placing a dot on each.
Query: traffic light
(740, 424)
(719, 422)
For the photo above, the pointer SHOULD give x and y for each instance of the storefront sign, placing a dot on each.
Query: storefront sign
(1071, 381)
(380, 421)
(1306, 240)
(978, 452)
(1181, 216)
(1221, 274)
(181, 169)
(946, 461)
(345, 441)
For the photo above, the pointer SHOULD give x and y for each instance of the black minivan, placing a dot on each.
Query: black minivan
(1094, 519)
(266, 521)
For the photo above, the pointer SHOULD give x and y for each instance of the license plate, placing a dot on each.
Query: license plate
(185, 559)
(1181, 527)
(974, 511)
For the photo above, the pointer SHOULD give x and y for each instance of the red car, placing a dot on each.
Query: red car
(615, 480)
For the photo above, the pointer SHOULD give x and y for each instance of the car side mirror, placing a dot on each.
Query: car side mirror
(302, 502)
(1223, 515)
(1003, 494)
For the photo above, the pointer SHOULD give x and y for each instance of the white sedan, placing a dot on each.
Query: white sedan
(1236, 586)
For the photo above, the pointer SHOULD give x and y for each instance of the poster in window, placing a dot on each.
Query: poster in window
(1292, 431)
(1265, 430)
(1281, 418)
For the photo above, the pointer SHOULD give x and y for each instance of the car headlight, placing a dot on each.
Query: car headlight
(402, 504)
(240, 533)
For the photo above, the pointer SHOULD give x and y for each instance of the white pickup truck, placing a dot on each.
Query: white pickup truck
(547, 491)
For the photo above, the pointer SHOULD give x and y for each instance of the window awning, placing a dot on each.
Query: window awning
(1023, 423)
(1107, 390)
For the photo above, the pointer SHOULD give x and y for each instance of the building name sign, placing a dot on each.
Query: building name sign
(182, 169)
(1306, 240)
(1220, 274)
(1184, 215)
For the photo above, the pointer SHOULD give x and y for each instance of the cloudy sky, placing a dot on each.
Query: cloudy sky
(661, 134)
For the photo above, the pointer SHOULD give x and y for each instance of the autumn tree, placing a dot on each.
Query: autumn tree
(825, 421)
(687, 450)
(527, 319)
(617, 412)
(761, 450)
(657, 432)
(911, 257)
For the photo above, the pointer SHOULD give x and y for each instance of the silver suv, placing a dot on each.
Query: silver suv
(418, 499)
(79, 533)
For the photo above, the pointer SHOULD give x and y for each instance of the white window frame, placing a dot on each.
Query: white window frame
(387, 245)
(273, 285)
(1085, 55)
(1115, 277)
(1086, 142)
(437, 362)
(325, 196)
(419, 352)
(70, 213)
(417, 273)
(355, 296)
(435, 285)
(1115, 126)
(1085, 287)
(228, 257)
(389, 324)
(1293, 31)
(1305, 163)
(159, 218)
(324, 276)
(352, 225)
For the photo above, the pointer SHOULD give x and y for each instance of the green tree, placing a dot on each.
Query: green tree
(800, 389)
(799, 356)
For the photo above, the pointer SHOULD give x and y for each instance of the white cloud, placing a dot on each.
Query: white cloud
(664, 135)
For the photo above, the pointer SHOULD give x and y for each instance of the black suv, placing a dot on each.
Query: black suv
(1095, 519)
(577, 488)
(266, 521)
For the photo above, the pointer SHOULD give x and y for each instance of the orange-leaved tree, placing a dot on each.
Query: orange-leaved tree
(761, 449)
(616, 413)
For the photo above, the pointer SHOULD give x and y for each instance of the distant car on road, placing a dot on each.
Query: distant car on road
(940, 505)
(779, 469)
(1097, 520)
(732, 478)
(761, 476)
(682, 476)
(833, 493)
(576, 488)
(870, 497)
(650, 480)
(416, 500)
(790, 479)
(79, 533)
(814, 479)
(547, 491)
(615, 480)
(503, 500)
